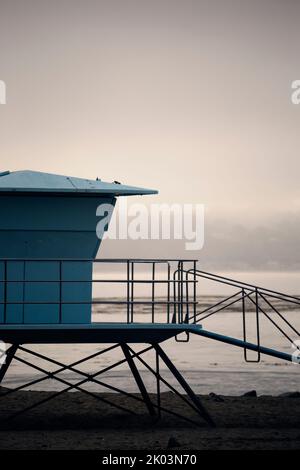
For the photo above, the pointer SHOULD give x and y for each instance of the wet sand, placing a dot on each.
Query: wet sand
(78, 421)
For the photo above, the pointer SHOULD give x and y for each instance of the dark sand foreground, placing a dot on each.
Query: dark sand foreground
(77, 421)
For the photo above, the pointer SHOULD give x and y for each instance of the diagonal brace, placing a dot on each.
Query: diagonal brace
(9, 357)
(184, 384)
(138, 379)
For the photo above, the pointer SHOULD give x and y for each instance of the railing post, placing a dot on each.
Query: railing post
(195, 292)
(60, 291)
(245, 325)
(179, 294)
(257, 324)
(132, 290)
(168, 294)
(244, 322)
(23, 290)
(5, 290)
(181, 290)
(153, 290)
(174, 319)
(128, 292)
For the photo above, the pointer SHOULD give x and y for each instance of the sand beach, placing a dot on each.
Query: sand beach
(76, 421)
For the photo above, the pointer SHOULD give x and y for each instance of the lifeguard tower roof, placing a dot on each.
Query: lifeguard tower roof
(38, 182)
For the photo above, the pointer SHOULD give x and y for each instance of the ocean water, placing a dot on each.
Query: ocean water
(209, 366)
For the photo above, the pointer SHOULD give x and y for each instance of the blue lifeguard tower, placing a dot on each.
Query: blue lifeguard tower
(45, 220)
(48, 248)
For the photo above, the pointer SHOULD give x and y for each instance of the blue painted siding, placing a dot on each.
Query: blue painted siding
(48, 227)
(2, 292)
(76, 292)
(41, 292)
(15, 292)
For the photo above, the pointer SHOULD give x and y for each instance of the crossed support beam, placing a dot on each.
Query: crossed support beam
(154, 409)
(9, 357)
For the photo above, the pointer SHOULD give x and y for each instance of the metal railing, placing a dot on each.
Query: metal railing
(250, 298)
(179, 297)
(172, 294)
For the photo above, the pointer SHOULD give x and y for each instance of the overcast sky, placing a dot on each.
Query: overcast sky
(187, 96)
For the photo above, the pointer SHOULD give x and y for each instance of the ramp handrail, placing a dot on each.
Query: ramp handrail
(258, 297)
